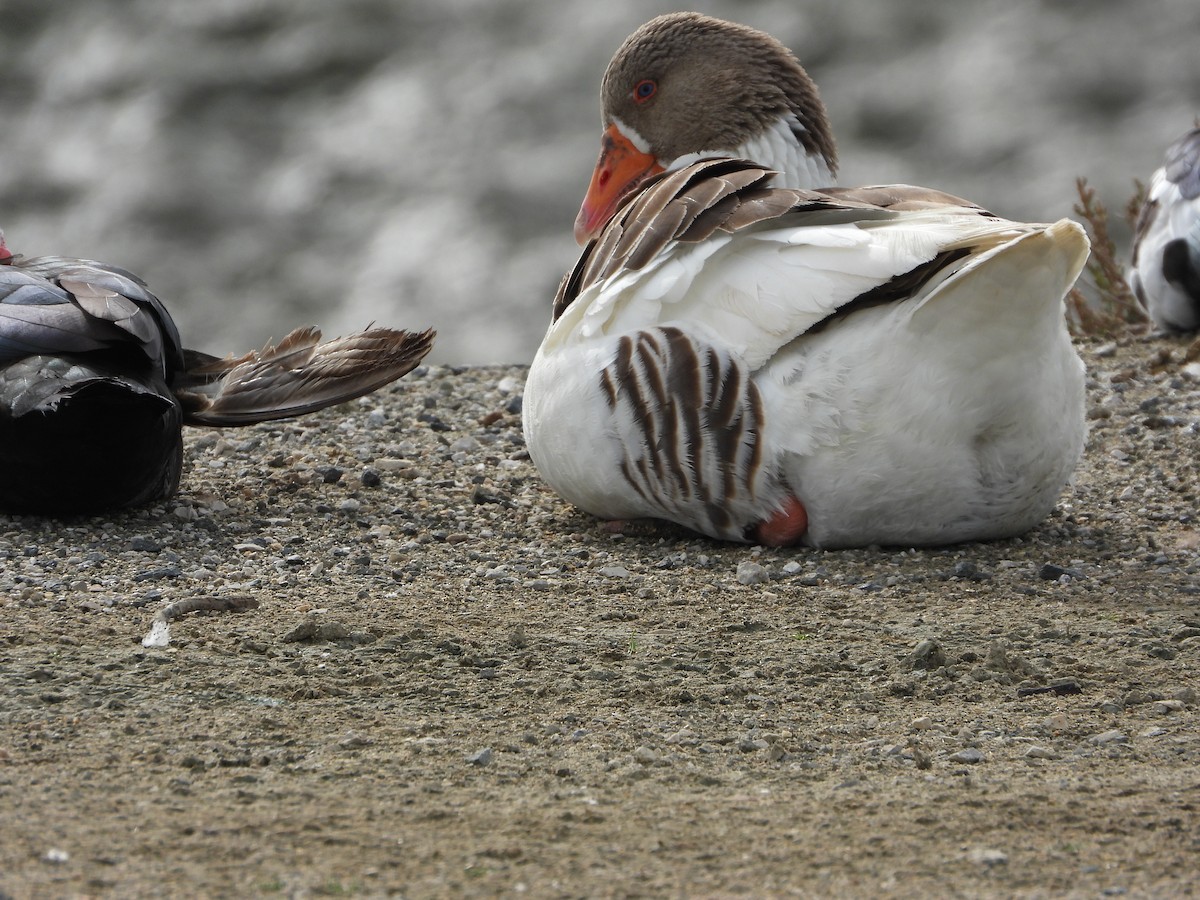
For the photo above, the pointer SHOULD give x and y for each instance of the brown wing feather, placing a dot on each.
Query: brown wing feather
(712, 195)
(298, 375)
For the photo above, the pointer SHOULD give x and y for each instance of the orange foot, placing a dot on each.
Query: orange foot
(785, 527)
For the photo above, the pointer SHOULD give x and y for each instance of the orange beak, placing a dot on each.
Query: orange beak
(621, 168)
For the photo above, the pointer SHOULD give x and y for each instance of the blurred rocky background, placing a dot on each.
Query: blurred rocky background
(272, 163)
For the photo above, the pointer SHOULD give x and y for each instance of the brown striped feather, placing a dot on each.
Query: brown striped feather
(712, 195)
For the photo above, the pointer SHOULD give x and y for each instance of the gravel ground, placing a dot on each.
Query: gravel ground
(455, 684)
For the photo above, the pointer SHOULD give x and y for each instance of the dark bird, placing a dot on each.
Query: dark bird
(95, 384)
(1166, 244)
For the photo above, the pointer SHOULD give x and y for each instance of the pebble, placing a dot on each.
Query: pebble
(1109, 737)
(986, 856)
(751, 573)
(1056, 722)
(311, 630)
(926, 655)
(1051, 572)
(1167, 707)
(1036, 752)
(354, 741)
(968, 755)
(969, 571)
(645, 756)
(481, 757)
(465, 444)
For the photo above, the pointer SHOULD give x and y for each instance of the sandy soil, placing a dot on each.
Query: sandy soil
(456, 685)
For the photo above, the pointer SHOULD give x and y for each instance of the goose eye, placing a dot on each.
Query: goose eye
(644, 90)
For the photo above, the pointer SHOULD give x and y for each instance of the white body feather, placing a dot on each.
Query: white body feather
(953, 415)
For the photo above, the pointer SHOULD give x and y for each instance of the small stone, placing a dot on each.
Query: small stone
(1167, 707)
(1109, 737)
(1051, 572)
(392, 465)
(481, 758)
(986, 856)
(969, 755)
(645, 756)
(465, 444)
(159, 574)
(926, 655)
(684, 736)
(1136, 697)
(1061, 687)
(331, 631)
(749, 573)
(370, 477)
(614, 572)
(1056, 722)
(354, 741)
(1036, 752)
(921, 723)
(143, 544)
(55, 856)
(969, 571)
(481, 495)
(748, 745)
(331, 475)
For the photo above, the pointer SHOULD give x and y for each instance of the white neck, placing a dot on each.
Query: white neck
(778, 149)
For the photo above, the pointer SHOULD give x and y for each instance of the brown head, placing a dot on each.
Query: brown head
(685, 84)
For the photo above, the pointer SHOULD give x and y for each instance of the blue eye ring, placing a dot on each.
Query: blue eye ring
(644, 90)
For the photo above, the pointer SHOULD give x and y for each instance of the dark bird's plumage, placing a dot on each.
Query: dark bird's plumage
(95, 384)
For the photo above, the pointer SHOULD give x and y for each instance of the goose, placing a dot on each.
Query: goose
(1166, 244)
(756, 356)
(95, 384)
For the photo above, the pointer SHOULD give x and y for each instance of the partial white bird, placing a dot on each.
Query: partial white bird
(1166, 244)
(756, 360)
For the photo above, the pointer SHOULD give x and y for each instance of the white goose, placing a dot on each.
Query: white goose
(1166, 246)
(758, 361)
